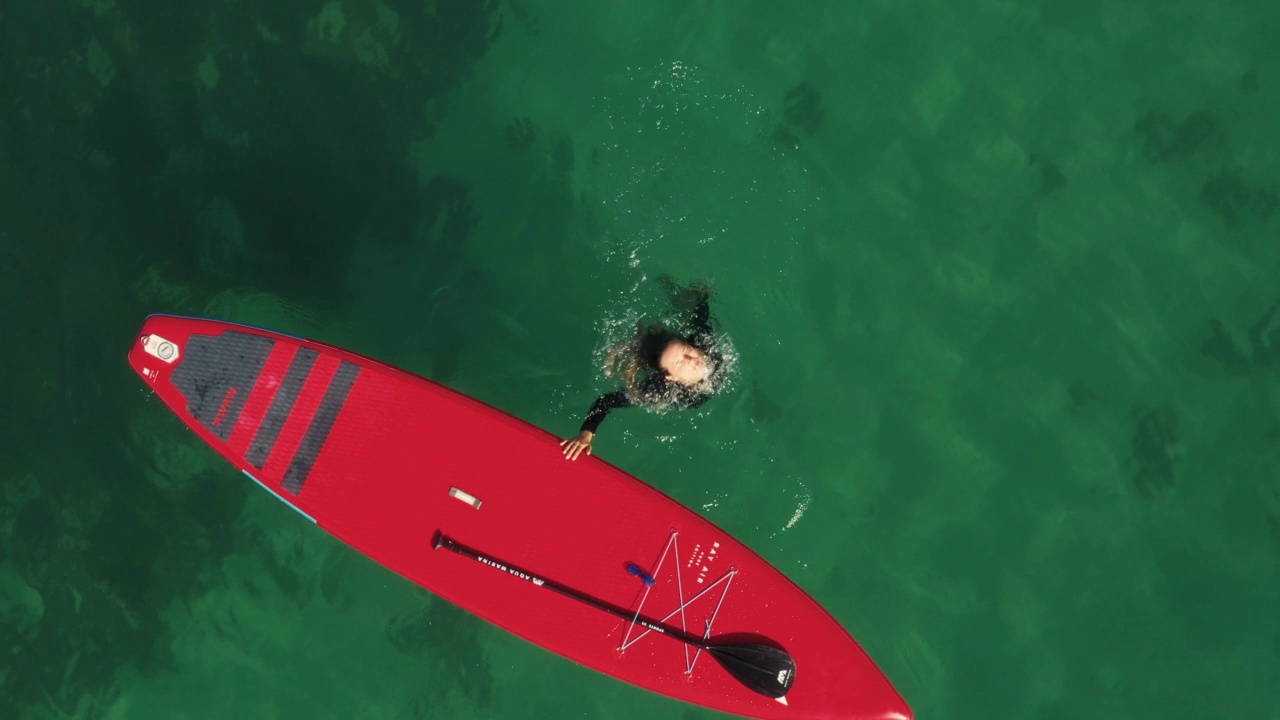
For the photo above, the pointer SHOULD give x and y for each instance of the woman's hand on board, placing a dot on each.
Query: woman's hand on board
(574, 446)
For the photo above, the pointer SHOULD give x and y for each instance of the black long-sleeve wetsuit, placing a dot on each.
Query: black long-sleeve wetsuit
(657, 388)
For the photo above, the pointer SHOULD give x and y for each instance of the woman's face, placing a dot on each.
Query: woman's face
(684, 363)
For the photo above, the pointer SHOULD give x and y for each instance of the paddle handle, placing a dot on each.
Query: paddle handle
(448, 543)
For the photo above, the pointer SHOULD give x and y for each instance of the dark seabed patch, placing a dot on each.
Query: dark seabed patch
(1165, 139)
(1157, 447)
(1051, 178)
(449, 638)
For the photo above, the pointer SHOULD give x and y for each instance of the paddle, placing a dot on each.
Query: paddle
(766, 670)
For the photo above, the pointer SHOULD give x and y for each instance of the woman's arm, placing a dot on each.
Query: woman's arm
(575, 446)
(601, 408)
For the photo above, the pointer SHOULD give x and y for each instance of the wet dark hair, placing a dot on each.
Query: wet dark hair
(651, 342)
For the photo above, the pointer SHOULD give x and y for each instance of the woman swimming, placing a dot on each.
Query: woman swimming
(661, 369)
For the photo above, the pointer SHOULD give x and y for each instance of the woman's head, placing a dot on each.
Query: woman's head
(663, 351)
(684, 363)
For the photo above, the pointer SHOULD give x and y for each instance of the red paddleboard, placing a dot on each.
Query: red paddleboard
(482, 509)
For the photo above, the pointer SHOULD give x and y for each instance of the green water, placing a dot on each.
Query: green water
(1000, 278)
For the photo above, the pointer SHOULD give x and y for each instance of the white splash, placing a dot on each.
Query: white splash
(805, 497)
(714, 502)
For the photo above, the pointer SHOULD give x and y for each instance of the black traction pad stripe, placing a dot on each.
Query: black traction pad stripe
(281, 405)
(214, 366)
(334, 398)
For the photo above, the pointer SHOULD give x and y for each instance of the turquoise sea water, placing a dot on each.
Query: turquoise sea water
(1001, 279)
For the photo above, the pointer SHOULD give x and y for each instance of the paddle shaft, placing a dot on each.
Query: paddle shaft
(444, 541)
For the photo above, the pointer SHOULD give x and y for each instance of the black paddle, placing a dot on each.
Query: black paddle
(767, 670)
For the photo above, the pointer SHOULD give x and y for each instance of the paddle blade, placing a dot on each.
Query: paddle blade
(767, 670)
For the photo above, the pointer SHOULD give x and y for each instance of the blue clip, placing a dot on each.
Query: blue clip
(645, 577)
